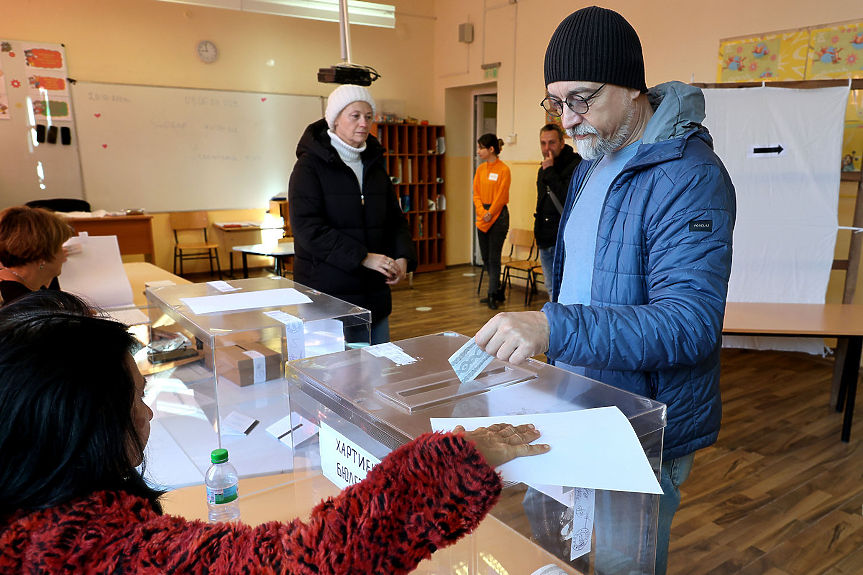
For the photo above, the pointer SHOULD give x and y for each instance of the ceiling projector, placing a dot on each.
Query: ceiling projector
(348, 74)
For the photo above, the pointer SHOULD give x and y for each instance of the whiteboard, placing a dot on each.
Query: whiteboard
(179, 149)
(30, 170)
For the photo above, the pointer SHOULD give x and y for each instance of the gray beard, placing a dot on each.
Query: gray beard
(596, 147)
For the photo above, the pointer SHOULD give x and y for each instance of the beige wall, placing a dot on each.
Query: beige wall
(424, 67)
(153, 43)
(680, 40)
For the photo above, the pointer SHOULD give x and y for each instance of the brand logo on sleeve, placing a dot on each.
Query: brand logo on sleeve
(701, 226)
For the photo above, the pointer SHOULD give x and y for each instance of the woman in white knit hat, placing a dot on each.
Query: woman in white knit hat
(352, 240)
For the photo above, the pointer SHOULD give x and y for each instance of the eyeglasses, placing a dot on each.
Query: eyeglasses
(577, 104)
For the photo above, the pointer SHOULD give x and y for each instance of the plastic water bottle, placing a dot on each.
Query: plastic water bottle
(222, 495)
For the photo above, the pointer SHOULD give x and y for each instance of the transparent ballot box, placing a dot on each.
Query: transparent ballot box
(215, 367)
(375, 399)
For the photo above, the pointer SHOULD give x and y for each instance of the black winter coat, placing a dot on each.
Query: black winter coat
(556, 180)
(334, 230)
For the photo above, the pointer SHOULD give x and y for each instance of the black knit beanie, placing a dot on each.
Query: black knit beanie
(595, 45)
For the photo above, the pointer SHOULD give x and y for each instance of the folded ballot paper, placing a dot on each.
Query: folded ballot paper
(469, 361)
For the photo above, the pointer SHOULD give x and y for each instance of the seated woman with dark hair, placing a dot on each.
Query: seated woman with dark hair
(31, 250)
(73, 426)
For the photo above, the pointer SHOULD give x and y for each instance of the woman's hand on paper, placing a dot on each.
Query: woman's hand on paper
(503, 442)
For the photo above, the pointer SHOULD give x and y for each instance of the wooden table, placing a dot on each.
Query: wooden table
(842, 321)
(232, 234)
(134, 233)
(140, 274)
(279, 251)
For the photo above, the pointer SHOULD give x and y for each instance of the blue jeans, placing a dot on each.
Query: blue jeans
(546, 258)
(672, 476)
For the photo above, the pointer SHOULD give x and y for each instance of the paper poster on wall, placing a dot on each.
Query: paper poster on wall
(50, 84)
(43, 57)
(836, 52)
(4, 101)
(768, 57)
(55, 109)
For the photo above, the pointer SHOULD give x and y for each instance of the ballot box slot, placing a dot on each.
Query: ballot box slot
(377, 430)
(442, 387)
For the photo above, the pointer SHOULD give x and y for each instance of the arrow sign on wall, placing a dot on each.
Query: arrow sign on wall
(769, 151)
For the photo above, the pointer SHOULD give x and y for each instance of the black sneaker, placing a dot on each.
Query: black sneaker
(492, 303)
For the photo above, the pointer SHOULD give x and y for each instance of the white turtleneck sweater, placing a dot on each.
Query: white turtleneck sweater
(350, 156)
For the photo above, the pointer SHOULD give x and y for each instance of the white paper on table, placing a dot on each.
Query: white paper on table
(302, 429)
(594, 448)
(241, 301)
(223, 286)
(236, 421)
(390, 351)
(132, 316)
(97, 273)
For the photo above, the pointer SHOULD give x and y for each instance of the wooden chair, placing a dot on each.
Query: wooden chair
(522, 242)
(186, 223)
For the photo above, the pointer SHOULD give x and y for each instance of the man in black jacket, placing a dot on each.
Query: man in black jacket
(552, 183)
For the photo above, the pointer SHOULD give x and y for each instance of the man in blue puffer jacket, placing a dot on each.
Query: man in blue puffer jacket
(644, 247)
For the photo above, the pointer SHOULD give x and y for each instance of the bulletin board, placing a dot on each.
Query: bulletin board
(179, 149)
(38, 141)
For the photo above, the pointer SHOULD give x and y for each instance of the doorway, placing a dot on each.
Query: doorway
(485, 122)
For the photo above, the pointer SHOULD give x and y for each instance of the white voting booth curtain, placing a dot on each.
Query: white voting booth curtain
(782, 148)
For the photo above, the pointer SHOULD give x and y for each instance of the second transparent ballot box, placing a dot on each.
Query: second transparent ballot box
(363, 403)
(215, 367)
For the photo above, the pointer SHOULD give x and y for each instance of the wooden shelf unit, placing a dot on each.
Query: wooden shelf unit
(412, 158)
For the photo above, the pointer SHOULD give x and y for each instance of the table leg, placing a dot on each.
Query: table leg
(245, 265)
(838, 364)
(850, 377)
(231, 259)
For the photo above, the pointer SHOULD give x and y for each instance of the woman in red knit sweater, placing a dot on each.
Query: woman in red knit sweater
(73, 426)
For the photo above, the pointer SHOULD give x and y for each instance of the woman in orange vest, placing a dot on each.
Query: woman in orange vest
(490, 196)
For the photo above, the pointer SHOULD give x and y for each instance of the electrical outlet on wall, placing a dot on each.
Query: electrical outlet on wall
(511, 138)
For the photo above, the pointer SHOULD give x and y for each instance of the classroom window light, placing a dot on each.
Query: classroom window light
(360, 13)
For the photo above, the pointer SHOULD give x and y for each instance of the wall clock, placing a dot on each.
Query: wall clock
(207, 51)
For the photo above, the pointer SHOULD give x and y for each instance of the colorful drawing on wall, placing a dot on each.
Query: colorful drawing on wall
(852, 147)
(852, 141)
(38, 56)
(4, 101)
(836, 52)
(53, 84)
(769, 57)
(55, 109)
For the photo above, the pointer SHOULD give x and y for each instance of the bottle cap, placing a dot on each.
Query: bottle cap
(219, 456)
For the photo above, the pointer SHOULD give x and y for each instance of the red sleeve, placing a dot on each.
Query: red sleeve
(423, 496)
